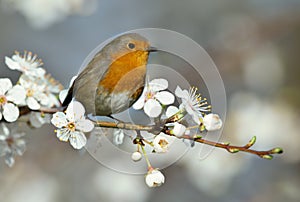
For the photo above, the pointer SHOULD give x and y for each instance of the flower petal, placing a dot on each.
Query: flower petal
(77, 140)
(33, 103)
(9, 159)
(75, 111)
(152, 108)
(165, 98)
(38, 72)
(42, 98)
(10, 112)
(158, 84)
(17, 94)
(179, 129)
(72, 80)
(85, 125)
(12, 64)
(20, 146)
(37, 119)
(0, 116)
(181, 93)
(59, 120)
(171, 110)
(62, 95)
(139, 104)
(4, 131)
(63, 134)
(5, 85)
(154, 178)
(196, 117)
(212, 122)
(118, 136)
(3, 148)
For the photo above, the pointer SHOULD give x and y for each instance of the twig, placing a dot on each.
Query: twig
(121, 125)
(234, 149)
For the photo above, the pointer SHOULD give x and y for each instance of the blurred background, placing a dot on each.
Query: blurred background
(255, 45)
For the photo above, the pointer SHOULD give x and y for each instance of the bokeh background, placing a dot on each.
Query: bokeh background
(255, 45)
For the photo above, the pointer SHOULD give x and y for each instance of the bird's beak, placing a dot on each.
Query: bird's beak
(152, 49)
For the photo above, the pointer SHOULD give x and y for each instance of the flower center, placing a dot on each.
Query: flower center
(9, 141)
(163, 143)
(149, 95)
(71, 126)
(29, 93)
(3, 100)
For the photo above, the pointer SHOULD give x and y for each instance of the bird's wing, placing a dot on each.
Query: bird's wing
(85, 85)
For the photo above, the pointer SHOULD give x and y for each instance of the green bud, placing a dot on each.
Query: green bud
(233, 150)
(277, 150)
(252, 141)
(267, 156)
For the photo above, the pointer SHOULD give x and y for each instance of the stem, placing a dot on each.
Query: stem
(146, 157)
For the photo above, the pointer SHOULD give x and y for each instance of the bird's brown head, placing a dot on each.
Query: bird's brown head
(133, 44)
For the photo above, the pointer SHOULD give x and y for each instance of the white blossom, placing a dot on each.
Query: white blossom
(72, 125)
(52, 85)
(11, 144)
(212, 122)
(153, 97)
(154, 178)
(26, 63)
(136, 156)
(10, 96)
(178, 129)
(35, 92)
(171, 110)
(160, 143)
(192, 103)
(38, 119)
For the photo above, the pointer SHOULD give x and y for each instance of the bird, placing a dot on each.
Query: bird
(114, 78)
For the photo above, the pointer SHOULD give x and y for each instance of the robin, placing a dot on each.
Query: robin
(114, 79)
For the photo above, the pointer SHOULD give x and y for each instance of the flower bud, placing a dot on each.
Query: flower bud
(154, 178)
(178, 130)
(136, 156)
(212, 122)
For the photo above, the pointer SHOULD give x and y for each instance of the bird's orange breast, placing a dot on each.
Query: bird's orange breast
(125, 73)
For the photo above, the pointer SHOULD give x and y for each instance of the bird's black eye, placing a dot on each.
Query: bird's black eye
(131, 45)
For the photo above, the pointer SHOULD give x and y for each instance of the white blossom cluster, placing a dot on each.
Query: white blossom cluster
(33, 91)
(37, 92)
(156, 102)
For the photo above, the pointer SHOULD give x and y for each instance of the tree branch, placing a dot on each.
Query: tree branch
(268, 154)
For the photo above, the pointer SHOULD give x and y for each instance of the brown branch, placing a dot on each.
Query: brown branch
(27, 110)
(268, 154)
(122, 125)
(234, 149)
